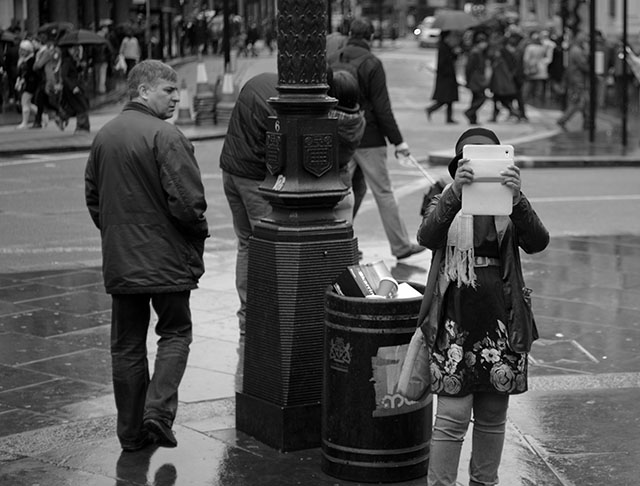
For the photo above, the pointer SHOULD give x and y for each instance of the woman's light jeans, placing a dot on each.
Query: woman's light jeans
(452, 421)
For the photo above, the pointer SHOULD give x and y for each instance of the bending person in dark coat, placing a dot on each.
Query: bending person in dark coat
(144, 192)
(446, 88)
(243, 164)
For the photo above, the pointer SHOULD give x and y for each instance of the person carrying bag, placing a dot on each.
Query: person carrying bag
(476, 318)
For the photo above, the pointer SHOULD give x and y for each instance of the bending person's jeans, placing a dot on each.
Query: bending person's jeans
(248, 206)
(138, 396)
(452, 421)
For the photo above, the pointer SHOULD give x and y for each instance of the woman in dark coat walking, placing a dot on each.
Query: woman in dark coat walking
(446, 89)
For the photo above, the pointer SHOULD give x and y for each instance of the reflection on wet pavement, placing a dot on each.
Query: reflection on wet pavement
(57, 412)
(605, 143)
(587, 435)
(586, 298)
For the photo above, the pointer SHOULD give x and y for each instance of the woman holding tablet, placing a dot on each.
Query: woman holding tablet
(477, 320)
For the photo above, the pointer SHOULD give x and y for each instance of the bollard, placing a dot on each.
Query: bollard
(204, 102)
(184, 107)
(227, 97)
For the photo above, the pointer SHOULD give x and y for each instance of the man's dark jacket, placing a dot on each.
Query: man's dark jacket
(244, 150)
(144, 192)
(374, 97)
(475, 71)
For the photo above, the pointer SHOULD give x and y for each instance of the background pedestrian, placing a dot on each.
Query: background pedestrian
(27, 82)
(537, 56)
(371, 155)
(48, 62)
(503, 80)
(74, 101)
(130, 49)
(446, 88)
(577, 79)
(475, 73)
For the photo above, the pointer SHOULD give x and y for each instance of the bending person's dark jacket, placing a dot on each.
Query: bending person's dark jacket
(522, 229)
(244, 150)
(145, 194)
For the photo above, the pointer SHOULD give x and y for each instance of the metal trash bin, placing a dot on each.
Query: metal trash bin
(371, 433)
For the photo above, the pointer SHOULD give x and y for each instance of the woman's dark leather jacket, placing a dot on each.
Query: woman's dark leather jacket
(522, 229)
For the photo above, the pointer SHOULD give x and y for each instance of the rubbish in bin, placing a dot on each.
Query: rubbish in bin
(406, 291)
(365, 281)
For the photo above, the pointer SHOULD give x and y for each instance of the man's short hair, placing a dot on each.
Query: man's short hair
(150, 72)
(361, 28)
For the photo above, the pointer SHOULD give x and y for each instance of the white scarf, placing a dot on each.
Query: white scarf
(459, 255)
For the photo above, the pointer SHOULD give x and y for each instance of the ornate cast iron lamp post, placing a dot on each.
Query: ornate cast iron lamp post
(299, 250)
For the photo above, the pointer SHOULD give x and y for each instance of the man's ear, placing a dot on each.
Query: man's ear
(143, 91)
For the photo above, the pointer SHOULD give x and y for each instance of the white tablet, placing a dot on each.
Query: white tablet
(486, 195)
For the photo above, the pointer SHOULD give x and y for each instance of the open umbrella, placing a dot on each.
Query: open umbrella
(54, 30)
(81, 37)
(7, 36)
(454, 20)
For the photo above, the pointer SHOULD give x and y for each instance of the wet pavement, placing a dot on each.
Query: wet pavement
(578, 424)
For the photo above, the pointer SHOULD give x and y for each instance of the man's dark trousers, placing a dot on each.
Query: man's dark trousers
(477, 100)
(139, 397)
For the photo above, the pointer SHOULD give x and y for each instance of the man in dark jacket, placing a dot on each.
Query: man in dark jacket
(477, 81)
(371, 156)
(244, 168)
(144, 192)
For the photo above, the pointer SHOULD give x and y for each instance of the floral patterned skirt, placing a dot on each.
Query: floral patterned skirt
(472, 353)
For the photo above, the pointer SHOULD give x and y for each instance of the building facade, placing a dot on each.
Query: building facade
(28, 15)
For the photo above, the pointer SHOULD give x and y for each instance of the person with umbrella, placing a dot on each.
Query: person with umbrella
(48, 62)
(454, 20)
(74, 100)
(446, 88)
(55, 30)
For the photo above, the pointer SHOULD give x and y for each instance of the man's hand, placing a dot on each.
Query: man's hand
(402, 150)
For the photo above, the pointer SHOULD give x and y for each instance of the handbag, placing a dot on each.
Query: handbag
(121, 64)
(414, 381)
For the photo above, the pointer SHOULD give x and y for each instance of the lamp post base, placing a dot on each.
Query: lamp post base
(285, 428)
